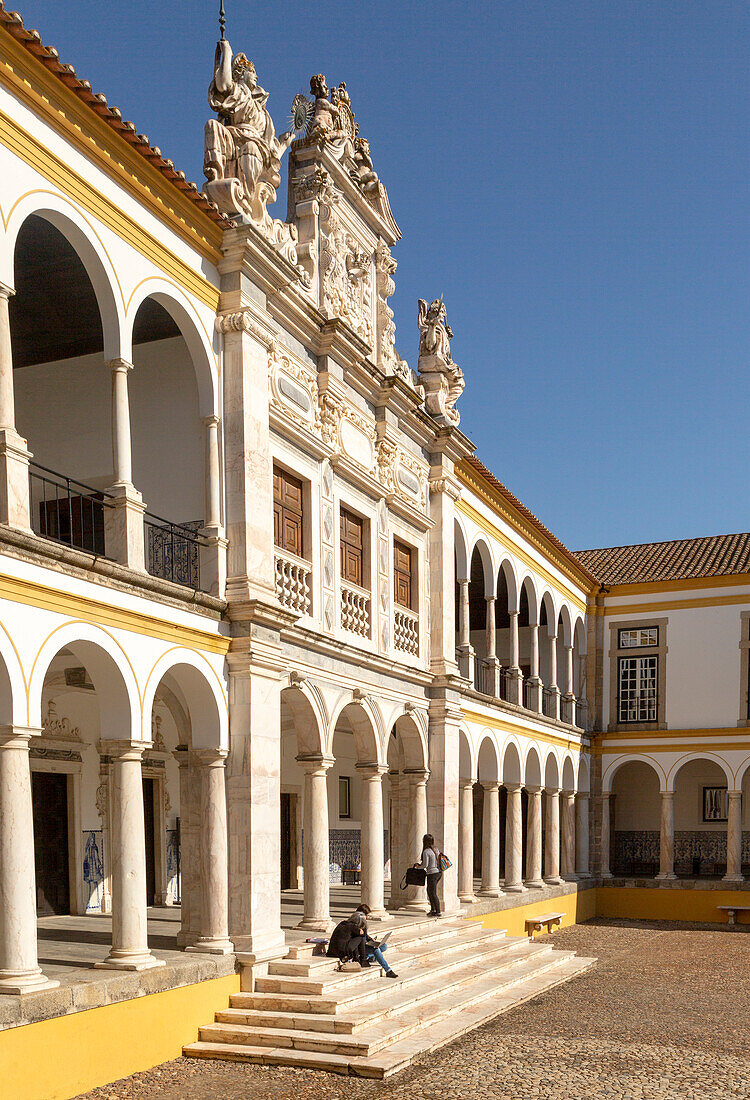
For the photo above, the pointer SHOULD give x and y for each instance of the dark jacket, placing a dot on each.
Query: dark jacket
(343, 933)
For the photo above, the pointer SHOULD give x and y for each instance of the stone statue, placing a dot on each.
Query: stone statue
(442, 379)
(332, 120)
(363, 172)
(242, 159)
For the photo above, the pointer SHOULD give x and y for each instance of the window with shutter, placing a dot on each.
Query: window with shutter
(352, 547)
(287, 512)
(402, 592)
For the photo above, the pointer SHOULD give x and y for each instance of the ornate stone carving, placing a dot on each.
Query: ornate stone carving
(156, 735)
(442, 379)
(346, 274)
(102, 799)
(293, 388)
(243, 321)
(242, 157)
(328, 419)
(385, 469)
(56, 728)
(387, 356)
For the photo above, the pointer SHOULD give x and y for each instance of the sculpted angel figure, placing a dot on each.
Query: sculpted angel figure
(363, 172)
(435, 334)
(242, 144)
(443, 380)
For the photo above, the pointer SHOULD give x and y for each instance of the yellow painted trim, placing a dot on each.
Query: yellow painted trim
(733, 580)
(60, 107)
(688, 746)
(63, 1057)
(471, 513)
(655, 903)
(519, 731)
(630, 609)
(577, 907)
(80, 191)
(34, 594)
(720, 731)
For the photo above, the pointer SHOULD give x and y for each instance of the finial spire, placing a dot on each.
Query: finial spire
(222, 21)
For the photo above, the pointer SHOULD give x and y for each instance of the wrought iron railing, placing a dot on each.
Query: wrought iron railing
(549, 702)
(67, 511)
(173, 550)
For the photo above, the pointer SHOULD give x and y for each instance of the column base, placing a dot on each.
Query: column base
(211, 947)
(133, 961)
(467, 899)
(19, 982)
(490, 893)
(186, 939)
(321, 924)
(379, 916)
(733, 878)
(535, 883)
(515, 888)
(606, 874)
(415, 907)
(667, 876)
(554, 880)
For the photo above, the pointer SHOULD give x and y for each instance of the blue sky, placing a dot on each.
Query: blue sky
(572, 175)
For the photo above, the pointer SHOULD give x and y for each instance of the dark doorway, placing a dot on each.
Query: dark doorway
(50, 802)
(148, 821)
(286, 841)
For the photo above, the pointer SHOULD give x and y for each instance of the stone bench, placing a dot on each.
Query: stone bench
(733, 910)
(536, 924)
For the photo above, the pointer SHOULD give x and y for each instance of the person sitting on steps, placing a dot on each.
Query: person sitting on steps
(347, 942)
(431, 867)
(374, 950)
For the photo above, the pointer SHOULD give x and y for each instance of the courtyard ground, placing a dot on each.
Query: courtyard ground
(664, 1014)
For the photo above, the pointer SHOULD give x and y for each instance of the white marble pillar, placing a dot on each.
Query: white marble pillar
(604, 870)
(190, 888)
(466, 841)
(490, 840)
(582, 835)
(534, 838)
(515, 676)
(568, 836)
(568, 700)
(19, 967)
(129, 927)
(552, 838)
(552, 686)
(416, 896)
(373, 852)
(213, 549)
(14, 454)
(315, 844)
(513, 841)
(534, 684)
(666, 837)
(491, 683)
(214, 879)
(465, 651)
(123, 516)
(121, 442)
(442, 792)
(734, 838)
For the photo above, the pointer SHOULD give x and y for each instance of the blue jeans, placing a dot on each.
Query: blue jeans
(377, 954)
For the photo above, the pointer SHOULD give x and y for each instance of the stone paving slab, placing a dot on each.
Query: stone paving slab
(665, 1015)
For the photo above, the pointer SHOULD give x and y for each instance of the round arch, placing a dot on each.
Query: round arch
(511, 583)
(584, 774)
(467, 765)
(548, 603)
(111, 674)
(532, 767)
(412, 736)
(528, 586)
(579, 637)
(568, 773)
(688, 758)
(614, 768)
(307, 718)
(511, 766)
(564, 620)
(488, 759)
(85, 241)
(460, 544)
(202, 691)
(481, 547)
(13, 698)
(551, 771)
(366, 726)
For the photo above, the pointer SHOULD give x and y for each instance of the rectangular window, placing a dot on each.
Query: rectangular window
(287, 512)
(352, 548)
(638, 638)
(345, 807)
(402, 568)
(715, 804)
(637, 689)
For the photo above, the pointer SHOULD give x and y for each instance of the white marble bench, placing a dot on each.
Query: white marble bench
(536, 924)
(733, 910)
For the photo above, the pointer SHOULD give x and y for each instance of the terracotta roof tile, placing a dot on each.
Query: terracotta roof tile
(31, 40)
(679, 559)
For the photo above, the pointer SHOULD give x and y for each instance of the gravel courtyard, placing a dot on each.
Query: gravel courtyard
(664, 1014)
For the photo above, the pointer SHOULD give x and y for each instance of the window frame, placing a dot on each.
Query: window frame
(345, 786)
(638, 661)
(345, 543)
(618, 653)
(400, 544)
(301, 515)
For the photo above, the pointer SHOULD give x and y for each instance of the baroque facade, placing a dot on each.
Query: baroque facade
(265, 618)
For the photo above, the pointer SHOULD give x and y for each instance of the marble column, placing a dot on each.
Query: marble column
(552, 686)
(121, 443)
(213, 549)
(534, 838)
(734, 838)
(14, 453)
(442, 790)
(568, 836)
(19, 967)
(373, 853)
(515, 676)
(513, 841)
(568, 701)
(396, 785)
(552, 838)
(129, 928)
(190, 888)
(604, 870)
(466, 841)
(315, 844)
(465, 651)
(491, 683)
(491, 840)
(582, 835)
(534, 684)
(7, 396)
(666, 837)
(416, 896)
(214, 937)
(123, 516)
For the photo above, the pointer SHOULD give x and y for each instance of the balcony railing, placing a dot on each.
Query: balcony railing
(406, 630)
(355, 609)
(549, 703)
(293, 582)
(173, 550)
(66, 510)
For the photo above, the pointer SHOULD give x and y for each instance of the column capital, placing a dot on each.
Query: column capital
(667, 794)
(6, 292)
(372, 771)
(513, 614)
(735, 794)
(315, 762)
(567, 792)
(119, 366)
(17, 737)
(464, 784)
(490, 784)
(417, 776)
(211, 421)
(513, 786)
(124, 749)
(552, 790)
(181, 755)
(531, 789)
(211, 757)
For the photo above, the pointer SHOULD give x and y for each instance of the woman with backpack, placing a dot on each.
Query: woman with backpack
(430, 864)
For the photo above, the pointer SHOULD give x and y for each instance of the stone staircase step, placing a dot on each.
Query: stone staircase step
(418, 930)
(401, 1053)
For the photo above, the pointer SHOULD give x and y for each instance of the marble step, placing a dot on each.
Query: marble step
(418, 930)
(364, 986)
(387, 1029)
(322, 979)
(401, 1053)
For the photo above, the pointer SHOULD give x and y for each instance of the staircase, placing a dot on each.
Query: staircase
(453, 975)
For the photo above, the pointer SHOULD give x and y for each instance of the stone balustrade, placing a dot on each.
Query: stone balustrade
(355, 610)
(293, 582)
(406, 631)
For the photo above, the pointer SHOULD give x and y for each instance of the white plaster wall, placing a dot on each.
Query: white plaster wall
(688, 796)
(636, 797)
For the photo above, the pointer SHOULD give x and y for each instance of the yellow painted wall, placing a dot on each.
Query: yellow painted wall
(59, 1058)
(577, 907)
(661, 904)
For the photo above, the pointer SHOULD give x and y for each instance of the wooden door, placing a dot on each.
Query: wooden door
(50, 809)
(352, 547)
(402, 574)
(286, 841)
(150, 837)
(287, 512)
